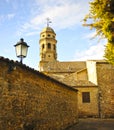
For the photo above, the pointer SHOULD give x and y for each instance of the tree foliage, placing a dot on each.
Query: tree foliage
(109, 53)
(101, 18)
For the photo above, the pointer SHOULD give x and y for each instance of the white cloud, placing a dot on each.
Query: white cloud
(10, 16)
(90, 35)
(64, 14)
(93, 52)
(6, 17)
(32, 33)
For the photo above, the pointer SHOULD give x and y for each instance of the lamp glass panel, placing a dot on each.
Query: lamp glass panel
(24, 50)
(18, 50)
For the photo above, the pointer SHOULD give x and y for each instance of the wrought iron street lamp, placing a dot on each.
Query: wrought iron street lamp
(21, 49)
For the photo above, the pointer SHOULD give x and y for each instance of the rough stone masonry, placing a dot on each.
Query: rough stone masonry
(31, 100)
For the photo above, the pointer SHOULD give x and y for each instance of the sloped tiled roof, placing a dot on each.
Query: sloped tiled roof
(70, 80)
(63, 67)
(81, 83)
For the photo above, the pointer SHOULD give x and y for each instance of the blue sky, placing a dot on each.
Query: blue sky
(26, 18)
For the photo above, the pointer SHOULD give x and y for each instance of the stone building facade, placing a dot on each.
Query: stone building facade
(30, 100)
(94, 79)
(55, 97)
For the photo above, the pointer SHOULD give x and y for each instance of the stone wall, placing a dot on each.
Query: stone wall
(82, 75)
(31, 100)
(88, 109)
(105, 74)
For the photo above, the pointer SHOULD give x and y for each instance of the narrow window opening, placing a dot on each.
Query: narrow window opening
(86, 97)
(43, 46)
(49, 45)
(54, 47)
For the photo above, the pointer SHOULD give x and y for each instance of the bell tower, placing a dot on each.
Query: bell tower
(48, 45)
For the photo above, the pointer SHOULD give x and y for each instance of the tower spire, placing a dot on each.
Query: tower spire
(48, 44)
(48, 21)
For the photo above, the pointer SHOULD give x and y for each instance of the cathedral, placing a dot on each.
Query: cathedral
(94, 79)
(57, 95)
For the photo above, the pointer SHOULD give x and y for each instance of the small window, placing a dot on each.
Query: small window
(43, 46)
(86, 97)
(43, 35)
(49, 45)
(48, 35)
(54, 47)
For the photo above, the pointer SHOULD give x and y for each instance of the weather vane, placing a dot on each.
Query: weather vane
(48, 22)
